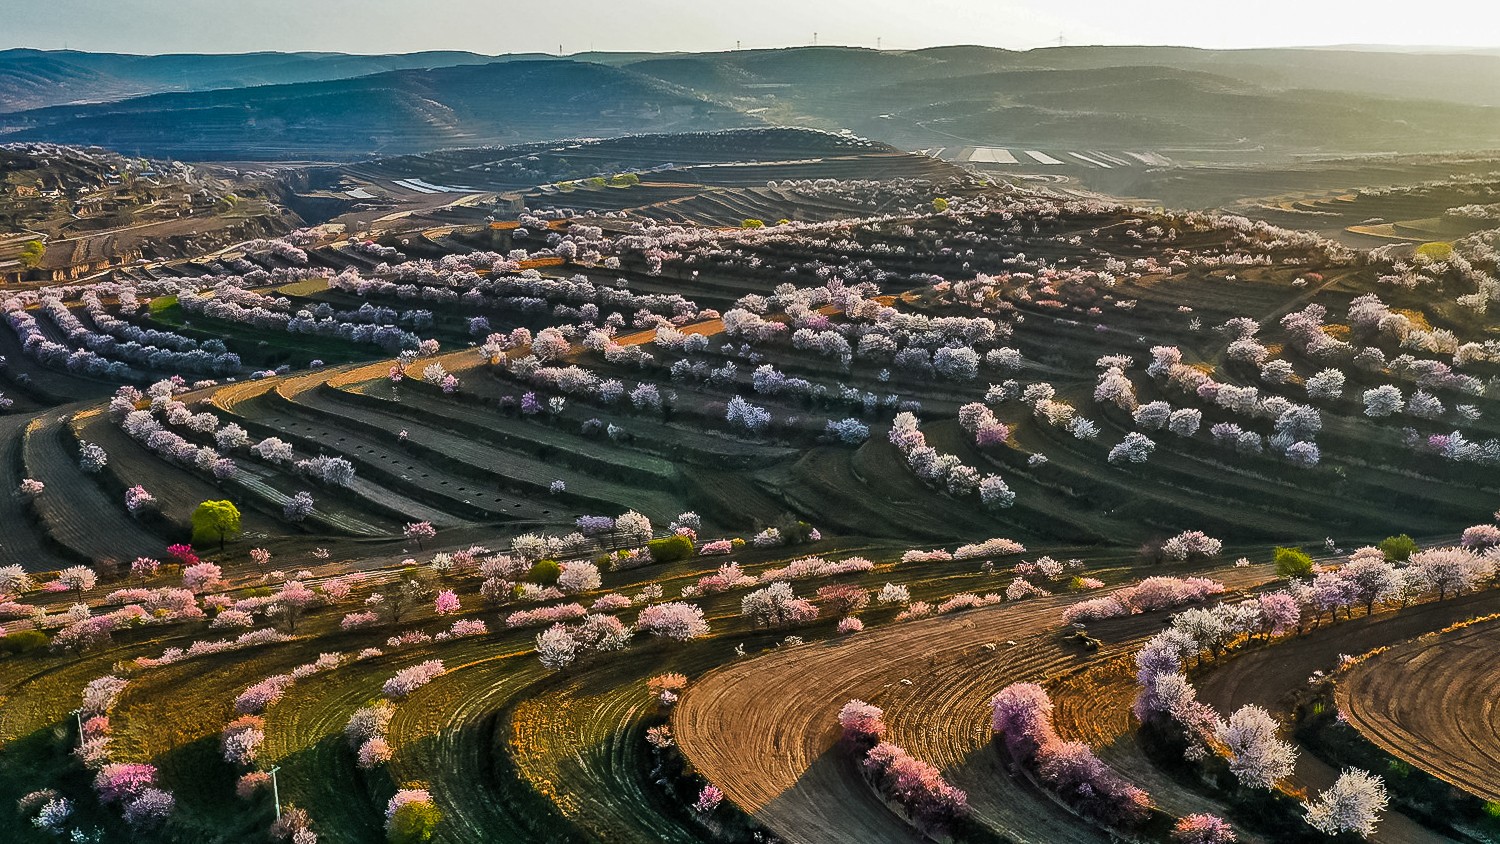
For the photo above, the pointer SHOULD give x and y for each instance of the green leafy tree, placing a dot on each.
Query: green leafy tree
(414, 823)
(1293, 562)
(752, 223)
(940, 205)
(544, 573)
(216, 520)
(32, 253)
(670, 549)
(1398, 547)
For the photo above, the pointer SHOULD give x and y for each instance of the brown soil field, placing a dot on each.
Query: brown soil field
(1270, 676)
(764, 730)
(1431, 702)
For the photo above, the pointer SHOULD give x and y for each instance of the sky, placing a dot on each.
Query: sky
(505, 26)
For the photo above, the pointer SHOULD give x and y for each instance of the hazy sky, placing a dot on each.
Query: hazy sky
(501, 26)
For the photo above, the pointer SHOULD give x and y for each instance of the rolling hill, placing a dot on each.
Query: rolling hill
(387, 113)
(1200, 105)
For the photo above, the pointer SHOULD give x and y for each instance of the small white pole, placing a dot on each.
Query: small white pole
(276, 791)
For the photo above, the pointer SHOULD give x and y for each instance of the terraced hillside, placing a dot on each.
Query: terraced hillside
(584, 525)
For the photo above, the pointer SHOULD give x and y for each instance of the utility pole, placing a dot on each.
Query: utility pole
(276, 791)
(78, 715)
(815, 39)
(878, 39)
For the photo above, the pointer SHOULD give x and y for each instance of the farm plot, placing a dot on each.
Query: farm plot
(178, 491)
(246, 407)
(1271, 676)
(1430, 702)
(444, 449)
(78, 514)
(20, 541)
(763, 730)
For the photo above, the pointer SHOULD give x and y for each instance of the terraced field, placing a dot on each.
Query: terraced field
(763, 730)
(83, 519)
(1449, 729)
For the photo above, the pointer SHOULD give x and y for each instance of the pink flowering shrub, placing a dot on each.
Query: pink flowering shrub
(256, 699)
(463, 627)
(374, 751)
(356, 620)
(810, 567)
(122, 781)
(201, 576)
(1095, 609)
(232, 619)
(408, 680)
(863, 723)
(447, 603)
(729, 576)
(936, 555)
(676, 620)
(407, 639)
(182, 554)
(1020, 589)
(1480, 537)
(149, 808)
(241, 739)
(966, 601)
(144, 567)
(1202, 829)
(100, 695)
(250, 784)
(916, 609)
(337, 589)
(708, 800)
(719, 546)
(989, 548)
(610, 603)
(850, 624)
(918, 786)
(1156, 593)
(545, 615)
(1022, 717)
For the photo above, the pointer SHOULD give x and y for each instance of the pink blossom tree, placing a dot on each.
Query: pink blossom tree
(419, 532)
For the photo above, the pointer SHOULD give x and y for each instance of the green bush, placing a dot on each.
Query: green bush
(544, 573)
(940, 205)
(215, 521)
(737, 543)
(752, 223)
(414, 823)
(670, 549)
(23, 641)
(1293, 562)
(1398, 547)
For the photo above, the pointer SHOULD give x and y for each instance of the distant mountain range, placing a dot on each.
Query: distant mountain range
(1201, 104)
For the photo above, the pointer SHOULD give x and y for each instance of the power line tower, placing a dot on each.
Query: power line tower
(815, 39)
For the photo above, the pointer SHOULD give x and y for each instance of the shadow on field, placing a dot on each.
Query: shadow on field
(202, 782)
(346, 804)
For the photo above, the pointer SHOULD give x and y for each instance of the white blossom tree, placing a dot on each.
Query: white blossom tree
(1352, 804)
